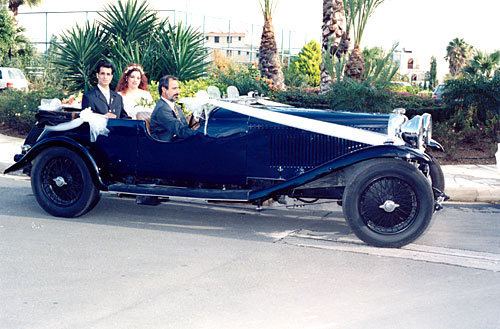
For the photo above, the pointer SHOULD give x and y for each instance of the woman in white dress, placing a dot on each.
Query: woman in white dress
(133, 87)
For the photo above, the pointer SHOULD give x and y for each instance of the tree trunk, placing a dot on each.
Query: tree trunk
(355, 66)
(333, 33)
(269, 61)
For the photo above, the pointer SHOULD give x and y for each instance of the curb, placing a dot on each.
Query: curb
(472, 183)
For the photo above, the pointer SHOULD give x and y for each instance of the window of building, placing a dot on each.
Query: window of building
(207, 38)
(410, 64)
(239, 38)
(239, 52)
(229, 39)
(216, 39)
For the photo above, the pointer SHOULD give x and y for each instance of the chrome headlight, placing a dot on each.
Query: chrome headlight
(412, 132)
(396, 119)
(427, 124)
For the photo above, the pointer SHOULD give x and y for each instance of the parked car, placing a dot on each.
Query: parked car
(375, 166)
(438, 93)
(12, 78)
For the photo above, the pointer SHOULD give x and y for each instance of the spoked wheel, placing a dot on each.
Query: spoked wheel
(62, 183)
(388, 203)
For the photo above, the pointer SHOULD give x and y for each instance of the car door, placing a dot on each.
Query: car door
(197, 159)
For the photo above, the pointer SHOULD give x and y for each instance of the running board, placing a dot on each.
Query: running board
(183, 192)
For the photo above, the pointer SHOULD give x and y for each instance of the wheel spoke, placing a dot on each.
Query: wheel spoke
(64, 168)
(383, 220)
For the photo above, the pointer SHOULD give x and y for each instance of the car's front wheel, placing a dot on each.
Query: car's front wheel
(62, 183)
(388, 202)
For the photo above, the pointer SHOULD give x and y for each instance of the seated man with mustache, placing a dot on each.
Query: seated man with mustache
(168, 121)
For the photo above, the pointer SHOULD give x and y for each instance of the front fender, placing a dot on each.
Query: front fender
(64, 142)
(372, 152)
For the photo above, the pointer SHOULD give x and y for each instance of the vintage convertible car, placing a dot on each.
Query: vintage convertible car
(250, 150)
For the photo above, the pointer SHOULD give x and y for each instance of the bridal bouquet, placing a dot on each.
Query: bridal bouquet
(74, 101)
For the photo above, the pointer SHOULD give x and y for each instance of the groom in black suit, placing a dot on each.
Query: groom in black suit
(167, 120)
(101, 99)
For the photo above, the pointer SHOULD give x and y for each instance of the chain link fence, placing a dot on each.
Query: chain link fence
(42, 26)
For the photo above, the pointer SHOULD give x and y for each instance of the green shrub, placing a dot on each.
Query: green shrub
(477, 97)
(308, 61)
(410, 101)
(302, 97)
(244, 77)
(191, 87)
(18, 109)
(294, 78)
(353, 95)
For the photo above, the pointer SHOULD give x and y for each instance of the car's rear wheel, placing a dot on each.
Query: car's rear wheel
(62, 183)
(388, 202)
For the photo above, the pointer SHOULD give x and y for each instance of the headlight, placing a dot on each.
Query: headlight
(396, 119)
(412, 132)
(427, 124)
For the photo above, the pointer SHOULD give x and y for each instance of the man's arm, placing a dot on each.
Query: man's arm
(172, 125)
(86, 102)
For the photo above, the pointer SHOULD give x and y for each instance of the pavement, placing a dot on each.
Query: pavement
(464, 183)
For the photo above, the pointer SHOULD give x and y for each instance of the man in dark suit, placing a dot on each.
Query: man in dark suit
(101, 99)
(167, 120)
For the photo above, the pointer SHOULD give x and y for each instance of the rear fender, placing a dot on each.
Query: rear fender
(62, 142)
(372, 152)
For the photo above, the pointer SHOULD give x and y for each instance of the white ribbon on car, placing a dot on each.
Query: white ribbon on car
(321, 127)
(97, 123)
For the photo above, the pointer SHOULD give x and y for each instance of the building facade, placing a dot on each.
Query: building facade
(230, 45)
(410, 66)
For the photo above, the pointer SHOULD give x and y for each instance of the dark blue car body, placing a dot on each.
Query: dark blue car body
(233, 158)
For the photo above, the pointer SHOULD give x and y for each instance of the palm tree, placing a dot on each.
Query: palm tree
(269, 61)
(482, 65)
(358, 12)
(15, 4)
(457, 54)
(334, 36)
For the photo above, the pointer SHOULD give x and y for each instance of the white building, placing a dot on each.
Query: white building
(231, 45)
(410, 65)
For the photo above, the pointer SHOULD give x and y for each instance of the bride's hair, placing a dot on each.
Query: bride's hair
(122, 83)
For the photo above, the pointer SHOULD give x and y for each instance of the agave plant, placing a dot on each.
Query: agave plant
(130, 22)
(78, 55)
(182, 52)
(380, 67)
(131, 33)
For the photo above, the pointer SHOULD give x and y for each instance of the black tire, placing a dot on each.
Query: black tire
(437, 175)
(62, 183)
(388, 203)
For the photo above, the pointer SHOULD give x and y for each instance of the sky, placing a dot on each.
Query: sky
(423, 26)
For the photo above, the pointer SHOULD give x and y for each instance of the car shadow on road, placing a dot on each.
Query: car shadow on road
(194, 217)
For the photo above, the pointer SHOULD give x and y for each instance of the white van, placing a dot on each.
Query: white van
(11, 78)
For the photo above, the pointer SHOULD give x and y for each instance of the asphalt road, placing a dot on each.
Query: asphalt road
(196, 265)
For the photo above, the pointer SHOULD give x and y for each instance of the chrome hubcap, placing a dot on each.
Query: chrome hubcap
(389, 206)
(60, 182)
